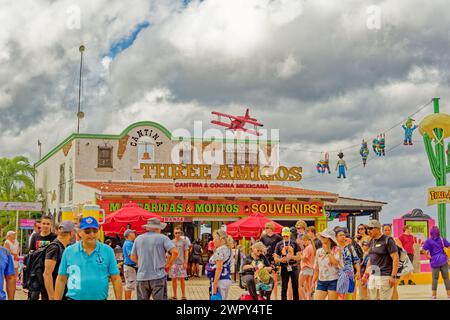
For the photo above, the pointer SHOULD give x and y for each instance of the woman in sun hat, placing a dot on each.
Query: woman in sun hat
(328, 262)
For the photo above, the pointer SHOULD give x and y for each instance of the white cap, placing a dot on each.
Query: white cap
(10, 232)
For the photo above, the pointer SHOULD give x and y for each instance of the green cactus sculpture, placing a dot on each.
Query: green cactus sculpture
(435, 128)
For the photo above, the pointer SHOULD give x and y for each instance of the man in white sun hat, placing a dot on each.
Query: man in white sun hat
(149, 252)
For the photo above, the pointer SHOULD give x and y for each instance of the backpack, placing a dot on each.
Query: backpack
(402, 257)
(350, 248)
(359, 251)
(33, 272)
(211, 268)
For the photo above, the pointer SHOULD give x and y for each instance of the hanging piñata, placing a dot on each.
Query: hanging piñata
(409, 129)
(324, 164)
(341, 165)
(364, 152)
(378, 145)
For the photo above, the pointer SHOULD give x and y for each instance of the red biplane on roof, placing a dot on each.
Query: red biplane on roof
(238, 122)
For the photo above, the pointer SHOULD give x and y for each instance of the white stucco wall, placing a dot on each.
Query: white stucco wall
(83, 157)
(48, 175)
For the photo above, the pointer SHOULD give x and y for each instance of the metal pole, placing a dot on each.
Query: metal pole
(17, 221)
(79, 89)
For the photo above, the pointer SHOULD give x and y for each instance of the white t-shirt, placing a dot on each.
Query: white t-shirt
(328, 272)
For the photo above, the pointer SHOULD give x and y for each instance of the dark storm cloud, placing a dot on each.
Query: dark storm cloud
(312, 69)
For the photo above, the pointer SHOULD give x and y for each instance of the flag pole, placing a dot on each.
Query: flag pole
(80, 114)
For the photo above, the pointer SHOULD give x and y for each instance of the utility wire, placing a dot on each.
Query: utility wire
(356, 145)
(357, 165)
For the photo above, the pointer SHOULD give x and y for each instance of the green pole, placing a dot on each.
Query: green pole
(442, 174)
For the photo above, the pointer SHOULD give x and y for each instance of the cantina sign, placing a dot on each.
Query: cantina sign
(220, 208)
(226, 172)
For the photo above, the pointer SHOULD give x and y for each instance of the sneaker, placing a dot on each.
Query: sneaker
(411, 283)
(401, 283)
(433, 297)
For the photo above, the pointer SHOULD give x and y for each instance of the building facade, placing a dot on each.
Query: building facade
(188, 181)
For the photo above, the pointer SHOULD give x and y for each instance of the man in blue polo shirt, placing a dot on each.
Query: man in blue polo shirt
(86, 267)
(7, 273)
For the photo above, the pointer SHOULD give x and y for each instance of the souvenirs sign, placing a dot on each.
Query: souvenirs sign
(219, 208)
(438, 195)
(226, 172)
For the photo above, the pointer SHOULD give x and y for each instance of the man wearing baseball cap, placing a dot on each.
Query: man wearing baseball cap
(129, 266)
(381, 271)
(286, 253)
(86, 267)
(53, 255)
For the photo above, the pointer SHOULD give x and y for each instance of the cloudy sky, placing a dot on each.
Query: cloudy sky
(326, 73)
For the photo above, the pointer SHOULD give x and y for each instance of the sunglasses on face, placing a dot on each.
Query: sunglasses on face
(370, 228)
(89, 231)
(177, 233)
(361, 228)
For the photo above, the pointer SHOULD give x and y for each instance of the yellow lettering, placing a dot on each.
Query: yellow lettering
(295, 174)
(242, 173)
(204, 174)
(224, 173)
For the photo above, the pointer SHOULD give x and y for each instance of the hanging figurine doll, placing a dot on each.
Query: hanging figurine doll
(375, 146)
(409, 129)
(364, 152)
(323, 164)
(381, 144)
(378, 145)
(341, 165)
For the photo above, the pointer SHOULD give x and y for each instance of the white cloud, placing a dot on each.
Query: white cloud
(288, 67)
(310, 68)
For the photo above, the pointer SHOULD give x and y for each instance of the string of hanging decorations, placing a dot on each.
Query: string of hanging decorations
(378, 148)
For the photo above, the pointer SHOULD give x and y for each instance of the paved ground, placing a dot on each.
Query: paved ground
(197, 289)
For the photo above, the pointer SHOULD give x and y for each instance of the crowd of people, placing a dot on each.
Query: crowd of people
(72, 264)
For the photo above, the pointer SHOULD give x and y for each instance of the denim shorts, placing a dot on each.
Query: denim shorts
(327, 285)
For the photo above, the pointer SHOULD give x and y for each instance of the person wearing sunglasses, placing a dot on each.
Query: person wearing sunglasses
(362, 234)
(36, 230)
(179, 269)
(381, 270)
(287, 255)
(270, 239)
(39, 240)
(253, 276)
(87, 266)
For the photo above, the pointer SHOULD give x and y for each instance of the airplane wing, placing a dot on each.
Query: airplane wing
(223, 124)
(224, 115)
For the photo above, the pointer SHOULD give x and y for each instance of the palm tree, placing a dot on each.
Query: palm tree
(16, 184)
(16, 179)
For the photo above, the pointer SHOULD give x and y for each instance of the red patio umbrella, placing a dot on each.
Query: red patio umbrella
(130, 213)
(251, 226)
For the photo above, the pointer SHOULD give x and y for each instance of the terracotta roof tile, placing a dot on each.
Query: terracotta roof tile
(163, 187)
